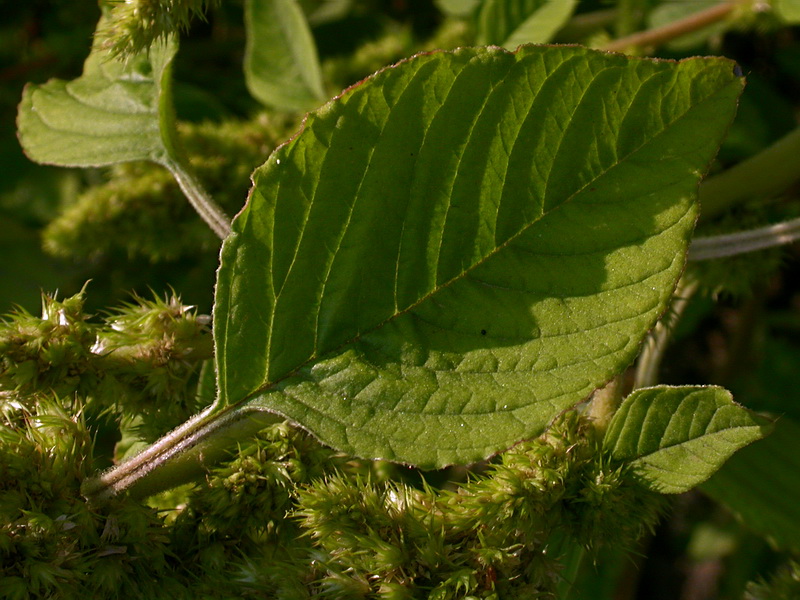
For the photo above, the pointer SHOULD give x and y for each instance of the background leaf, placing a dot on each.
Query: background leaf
(677, 437)
(457, 8)
(457, 249)
(789, 10)
(280, 64)
(116, 111)
(510, 23)
(760, 484)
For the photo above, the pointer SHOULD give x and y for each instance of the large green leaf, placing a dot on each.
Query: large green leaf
(280, 64)
(677, 437)
(510, 23)
(116, 111)
(465, 244)
(762, 486)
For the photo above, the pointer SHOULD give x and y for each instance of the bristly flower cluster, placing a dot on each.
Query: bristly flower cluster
(52, 545)
(141, 211)
(283, 517)
(783, 585)
(139, 363)
(134, 25)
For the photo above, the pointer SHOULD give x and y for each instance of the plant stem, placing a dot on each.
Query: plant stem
(649, 363)
(769, 172)
(178, 164)
(180, 456)
(741, 242)
(661, 35)
(210, 212)
(605, 402)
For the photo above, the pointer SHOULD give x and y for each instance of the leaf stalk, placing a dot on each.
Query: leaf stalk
(768, 173)
(661, 35)
(200, 200)
(181, 455)
(742, 242)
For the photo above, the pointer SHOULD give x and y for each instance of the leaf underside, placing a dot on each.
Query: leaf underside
(677, 437)
(462, 246)
(280, 63)
(112, 113)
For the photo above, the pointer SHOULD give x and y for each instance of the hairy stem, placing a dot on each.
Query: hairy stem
(180, 456)
(741, 242)
(210, 212)
(661, 35)
(768, 173)
(178, 164)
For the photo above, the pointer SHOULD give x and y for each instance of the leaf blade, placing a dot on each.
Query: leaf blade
(677, 437)
(114, 112)
(510, 23)
(760, 485)
(353, 264)
(280, 64)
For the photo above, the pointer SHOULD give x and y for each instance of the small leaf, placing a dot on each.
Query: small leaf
(462, 246)
(280, 64)
(116, 111)
(677, 437)
(510, 23)
(760, 484)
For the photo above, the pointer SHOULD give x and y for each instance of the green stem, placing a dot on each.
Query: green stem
(661, 35)
(649, 362)
(741, 242)
(210, 212)
(175, 160)
(181, 456)
(768, 173)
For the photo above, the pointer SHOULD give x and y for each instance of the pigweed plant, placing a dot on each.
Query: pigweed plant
(433, 364)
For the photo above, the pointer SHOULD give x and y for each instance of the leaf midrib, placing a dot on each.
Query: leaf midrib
(264, 387)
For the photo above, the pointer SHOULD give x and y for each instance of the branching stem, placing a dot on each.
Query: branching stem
(661, 35)
(741, 242)
(769, 172)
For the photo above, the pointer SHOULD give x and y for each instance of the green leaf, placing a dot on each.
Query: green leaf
(510, 23)
(465, 244)
(677, 437)
(116, 111)
(280, 63)
(761, 485)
